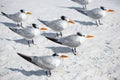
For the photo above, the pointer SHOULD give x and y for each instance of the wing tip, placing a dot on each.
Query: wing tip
(25, 57)
(54, 40)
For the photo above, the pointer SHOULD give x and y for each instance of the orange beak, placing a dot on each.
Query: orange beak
(89, 36)
(43, 28)
(71, 21)
(110, 10)
(64, 56)
(28, 13)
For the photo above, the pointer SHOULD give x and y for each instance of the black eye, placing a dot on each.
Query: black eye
(63, 17)
(34, 25)
(102, 8)
(55, 54)
(79, 34)
(22, 11)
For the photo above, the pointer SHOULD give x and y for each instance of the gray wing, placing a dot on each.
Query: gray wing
(16, 30)
(23, 32)
(13, 17)
(81, 10)
(44, 22)
(67, 39)
(71, 41)
(5, 14)
(44, 62)
(95, 13)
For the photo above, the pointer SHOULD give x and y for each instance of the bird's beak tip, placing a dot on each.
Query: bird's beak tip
(110, 10)
(89, 36)
(64, 56)
(43, 28)
(71, 21)
(28, 12)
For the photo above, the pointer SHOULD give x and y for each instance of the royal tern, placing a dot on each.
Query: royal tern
(58, 25)
(96, 14)
(83, 2)
(28, 33)
(72, 41)
(18, 17)
(47, 63)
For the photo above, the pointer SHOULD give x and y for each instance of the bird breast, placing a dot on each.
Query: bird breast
(47, 62)
(71, 41)
(59, 25)
(30, 33)
(96, 13)
(18, 17)
(36, 32)
(23, 16)
(83, 2)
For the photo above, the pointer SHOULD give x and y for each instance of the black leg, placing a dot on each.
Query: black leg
(85, 7)
(28, 43)
(61, 34)
(57, 34)
(100, 22)
(21, 25)
(32, 41)
(18, 24)
(73, 51)
(48, 73)
(96, 23)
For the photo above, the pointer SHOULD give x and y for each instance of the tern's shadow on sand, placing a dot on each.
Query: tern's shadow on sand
(79, 9)
(8, 24)
(29, 73)
(72, 7)
(22, 41)
(86, 23)
(52, 35)
(60, 49)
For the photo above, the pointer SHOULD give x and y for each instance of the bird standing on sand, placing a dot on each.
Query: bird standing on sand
(28, 33)
(72, 41)
(96, 14)
(83, 2)
(58, 25)
(47, 63)
(18, 17)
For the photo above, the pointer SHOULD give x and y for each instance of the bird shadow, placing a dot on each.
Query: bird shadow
(8, 24)
(29, 73)
(72, 7)
(86, 23)
(60, 49)
(6, 39)
(79, 9)
(21, 41)
(52, 35)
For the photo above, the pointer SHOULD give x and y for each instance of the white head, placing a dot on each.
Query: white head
(105, 9)
(67, 19)
(60, 55)
(36, 27)
(25, 12)
(83, 37)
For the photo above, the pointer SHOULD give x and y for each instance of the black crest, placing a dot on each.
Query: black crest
(78, 33)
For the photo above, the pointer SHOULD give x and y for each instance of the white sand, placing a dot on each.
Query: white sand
(97, 59)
